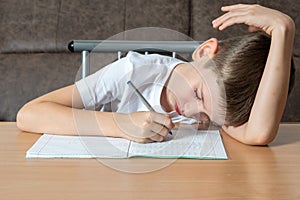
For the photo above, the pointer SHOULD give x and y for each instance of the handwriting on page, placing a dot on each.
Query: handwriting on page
(185, 144)
(182, 144)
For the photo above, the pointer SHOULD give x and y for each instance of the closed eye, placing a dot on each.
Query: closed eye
(196, 95)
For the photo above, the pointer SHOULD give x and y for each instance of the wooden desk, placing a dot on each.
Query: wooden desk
(251, 173)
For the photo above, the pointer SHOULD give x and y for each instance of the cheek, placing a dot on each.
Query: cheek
(185, 100)
(182, 91)
(184, 95)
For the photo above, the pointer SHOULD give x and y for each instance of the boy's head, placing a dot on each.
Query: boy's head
(239, 64)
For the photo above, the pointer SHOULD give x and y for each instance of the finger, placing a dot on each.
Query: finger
(163, 119)
(234, 7)
(163, 124)
(143, 140)
(232, 21)
(140, 139)
(223, 17)
(253, 29)
(157, 138)
(163, 131)
(227, 16)
(159, 129)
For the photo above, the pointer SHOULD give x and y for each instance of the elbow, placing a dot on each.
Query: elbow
(254, 135)
(22, 119)
(261, 139)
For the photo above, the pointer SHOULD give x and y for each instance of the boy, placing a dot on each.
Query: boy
(210, 88)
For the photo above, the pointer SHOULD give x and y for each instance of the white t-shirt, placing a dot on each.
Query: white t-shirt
(107, 89)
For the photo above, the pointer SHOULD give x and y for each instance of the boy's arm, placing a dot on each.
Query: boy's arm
(56, 112)
(271, 96)
(61, 112)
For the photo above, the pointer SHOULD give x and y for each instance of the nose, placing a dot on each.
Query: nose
(196, 111)
(203, 117)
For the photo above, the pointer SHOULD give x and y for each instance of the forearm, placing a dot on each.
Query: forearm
(270, 99)
(271, 96)
(54, 118)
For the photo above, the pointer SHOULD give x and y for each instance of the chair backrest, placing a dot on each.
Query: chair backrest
(119, 46)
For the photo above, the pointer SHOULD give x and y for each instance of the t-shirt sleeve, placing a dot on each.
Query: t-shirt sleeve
(101, 87)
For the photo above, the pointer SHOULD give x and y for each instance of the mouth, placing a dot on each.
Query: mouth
(177, 109)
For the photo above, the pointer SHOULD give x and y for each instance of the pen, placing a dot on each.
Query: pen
(144, 101)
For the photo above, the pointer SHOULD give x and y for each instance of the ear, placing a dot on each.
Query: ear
(208, 48)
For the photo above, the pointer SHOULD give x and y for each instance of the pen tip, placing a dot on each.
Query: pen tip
(128, 82)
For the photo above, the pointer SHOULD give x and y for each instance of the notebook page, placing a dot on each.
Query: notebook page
(183, 144)
(59, 146)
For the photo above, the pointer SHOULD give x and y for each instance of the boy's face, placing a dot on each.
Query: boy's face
(195, 93)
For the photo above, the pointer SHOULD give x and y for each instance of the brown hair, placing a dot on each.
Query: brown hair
(239, 64)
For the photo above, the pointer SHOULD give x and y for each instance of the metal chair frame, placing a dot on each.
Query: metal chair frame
(119, 46)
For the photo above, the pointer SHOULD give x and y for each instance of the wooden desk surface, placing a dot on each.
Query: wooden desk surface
(271, 172)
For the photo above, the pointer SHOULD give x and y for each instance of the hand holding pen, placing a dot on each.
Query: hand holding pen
(162, 122)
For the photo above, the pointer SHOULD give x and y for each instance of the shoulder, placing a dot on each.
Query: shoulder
(135, 57)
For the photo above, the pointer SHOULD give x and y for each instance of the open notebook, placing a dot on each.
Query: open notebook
(182, 144)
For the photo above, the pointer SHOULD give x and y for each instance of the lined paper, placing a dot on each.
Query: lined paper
(183, 143)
